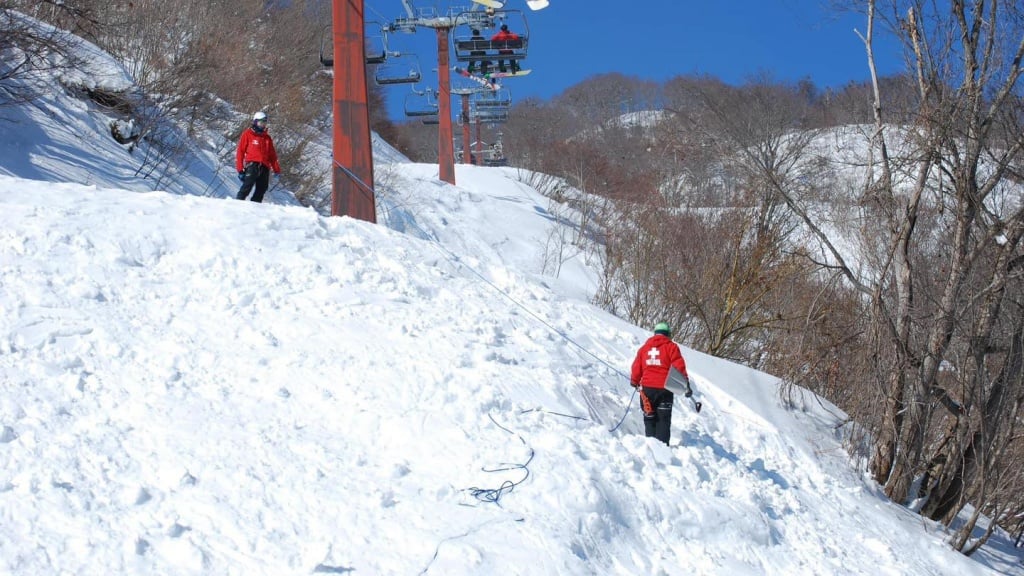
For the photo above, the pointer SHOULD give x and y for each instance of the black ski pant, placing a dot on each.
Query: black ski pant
(484, 65)
(657, 407)
(257, 175)
(514, 64)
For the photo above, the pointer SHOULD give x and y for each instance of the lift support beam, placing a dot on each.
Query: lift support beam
(352, 170)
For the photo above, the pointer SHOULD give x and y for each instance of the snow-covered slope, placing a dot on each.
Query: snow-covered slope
(63, 134)
(221, 387)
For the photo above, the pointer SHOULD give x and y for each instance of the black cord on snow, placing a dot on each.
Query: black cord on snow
(492, 495)
(437, 548)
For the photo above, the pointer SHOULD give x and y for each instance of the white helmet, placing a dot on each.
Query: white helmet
(259, 116)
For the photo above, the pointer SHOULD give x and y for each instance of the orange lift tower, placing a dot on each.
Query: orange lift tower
(465, 94)
(483, 15)
(442, 25)
(352, 172)
(352, 169)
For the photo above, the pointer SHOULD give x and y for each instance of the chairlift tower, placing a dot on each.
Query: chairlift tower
(490, 106)
(352, 164)
(465, 94)
(442, 25)
(475, 17)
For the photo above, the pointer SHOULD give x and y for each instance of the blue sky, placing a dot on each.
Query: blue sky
(659, 39)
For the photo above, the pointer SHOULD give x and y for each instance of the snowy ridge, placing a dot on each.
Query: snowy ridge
(60, 135)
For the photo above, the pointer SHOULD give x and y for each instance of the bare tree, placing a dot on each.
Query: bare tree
(29, 48)
(632, 238)
(942, 232)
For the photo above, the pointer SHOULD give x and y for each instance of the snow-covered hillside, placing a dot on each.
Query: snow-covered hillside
(195, 385)
(62, 134)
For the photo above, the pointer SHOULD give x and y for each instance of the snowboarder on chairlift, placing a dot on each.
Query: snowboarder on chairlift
(658, 355)
(506, 35)
(255, 158)
(484, 64)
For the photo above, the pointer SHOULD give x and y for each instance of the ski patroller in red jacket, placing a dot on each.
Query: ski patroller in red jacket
(653, 361)
(256, 146)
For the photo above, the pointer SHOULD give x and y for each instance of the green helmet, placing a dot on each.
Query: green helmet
(662, 328)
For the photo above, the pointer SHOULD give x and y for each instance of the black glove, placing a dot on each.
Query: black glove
(241, 176)
(688, 393)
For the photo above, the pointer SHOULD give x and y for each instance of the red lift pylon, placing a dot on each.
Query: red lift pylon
(445, 153)
(352, 170)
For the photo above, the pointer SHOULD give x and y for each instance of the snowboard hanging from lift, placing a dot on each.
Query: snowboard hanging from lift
(481, 80)
(493, 75)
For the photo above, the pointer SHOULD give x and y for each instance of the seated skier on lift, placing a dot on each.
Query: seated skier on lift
(484, 64)
(505, 35)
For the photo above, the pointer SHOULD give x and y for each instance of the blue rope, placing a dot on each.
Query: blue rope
(624, 414)
(492, 495)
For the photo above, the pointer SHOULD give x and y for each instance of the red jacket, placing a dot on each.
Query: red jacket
(256, 146)
(504, 35)
(653, 360)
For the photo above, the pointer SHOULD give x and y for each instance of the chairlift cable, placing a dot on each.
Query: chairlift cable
(454, 258)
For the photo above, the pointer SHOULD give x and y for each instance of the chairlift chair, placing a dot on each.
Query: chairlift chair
(468, 49)
(495, 155)
(421, 104)
(398, 68)
(376, 45)
(489, 117)
(500, 98)
(376, 39)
